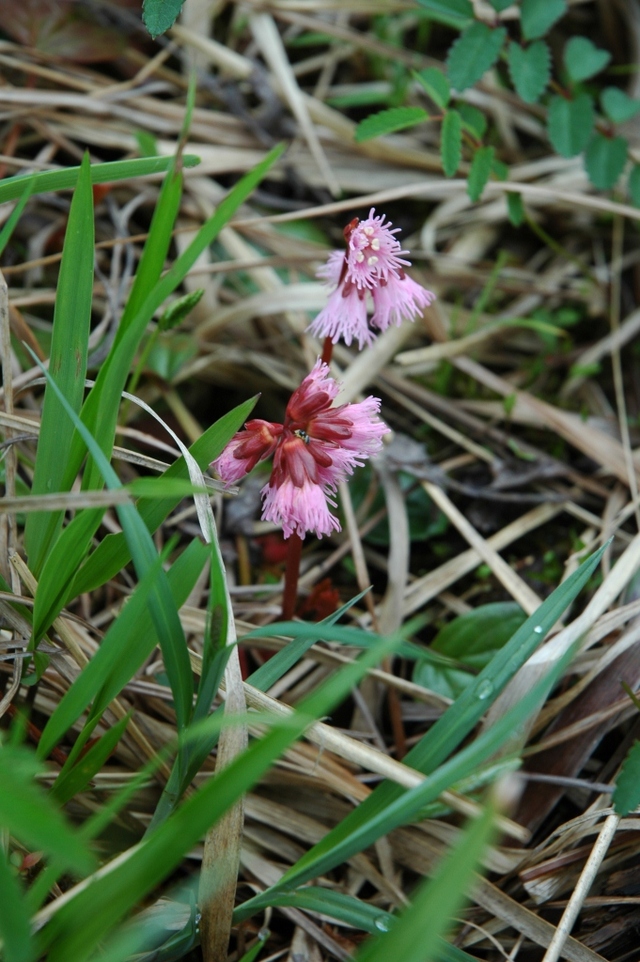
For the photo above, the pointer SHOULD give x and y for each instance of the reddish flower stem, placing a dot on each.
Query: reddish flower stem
(292, 570)
(327, 351)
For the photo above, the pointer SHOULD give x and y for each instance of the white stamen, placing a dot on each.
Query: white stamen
(372, 260)
(375, 244)
(359, 257)
(368, 231)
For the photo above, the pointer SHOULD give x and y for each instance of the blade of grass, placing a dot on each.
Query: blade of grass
(15, 926)
(16, 214)
(74, 779)
(68, 364)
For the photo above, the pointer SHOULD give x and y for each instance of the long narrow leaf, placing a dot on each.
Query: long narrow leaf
(15, 927)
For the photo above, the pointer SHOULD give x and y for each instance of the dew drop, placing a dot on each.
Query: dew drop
(382, 923)
(538, 629)
(485, 688)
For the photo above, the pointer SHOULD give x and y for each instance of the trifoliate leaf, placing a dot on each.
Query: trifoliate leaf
(451, 142)
(455, 13)
(633, 185)
(570, 123)
(530, 69)
(473, 53)
(604, 160)
(582, 59)
(436, 85)
(515, 208)
(473, 120)
(626, 796)
(538, 16)
(159, 15)
(387, 121)
(479, 174)
(618, 106)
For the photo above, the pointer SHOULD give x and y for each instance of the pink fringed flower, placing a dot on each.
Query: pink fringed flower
(317, 447)
(372, 264)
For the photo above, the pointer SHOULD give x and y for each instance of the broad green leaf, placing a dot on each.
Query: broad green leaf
(112, 554)
(67, 363)
(538, 16)
(618, 106)
(127, 644)
(387, 121)
(473, 53)
(633, 185)
(29, 814)
(76, 778)
(79, 925)
(500, 5)
(515, 208)
(451, 142)
(436, 85)
(582, 59)
(445, 735)
(604, 160)
(417, 933)
(473, 120)
(159, 15)
(529, 69)
(455, 13)
(15, 925)
(11, 188)
(626, 796)
(570, 123)
(480, 170)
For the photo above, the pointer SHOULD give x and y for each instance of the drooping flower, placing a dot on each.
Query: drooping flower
(373, 264)
(317, 447)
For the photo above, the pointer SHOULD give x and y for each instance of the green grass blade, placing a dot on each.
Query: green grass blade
(125, 647)
(16, 214)
(68, 364)
(85, 919)
(102, 403)
(12, 188)
(417, 933)
(15, 927)
(112, 554)
(73, 780)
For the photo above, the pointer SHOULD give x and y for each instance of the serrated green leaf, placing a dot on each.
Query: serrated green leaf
(436, 85)
(633, 185)
(159, 15)
(626, 796)
(515, 208)
(618, 106)
(455, 13)
(570, 123)
(479, 174)
(604, 160)
(473, 120)
(529, 69)
(451, 142)
(500, 170)
(388, 121)
(473, 53)
(582, 59)
(538, 16)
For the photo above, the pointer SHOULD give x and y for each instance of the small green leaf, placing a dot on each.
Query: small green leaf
(500, 5)
(159, 15)
(473, 53)
(436, 85)
(530, 69)
(179, 309)
(515, 208)
(570, 123)
(455, 13)
(387, 121)
(618, 106)
(451, 142)
(582, 59)
(500, 170)
(604, 160)
(538, 16)
(626, 796)
(473, 120)
(633, 185)
(479, 174)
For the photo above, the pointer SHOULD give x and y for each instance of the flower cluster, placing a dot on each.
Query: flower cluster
(372, 264)
(317, 447)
